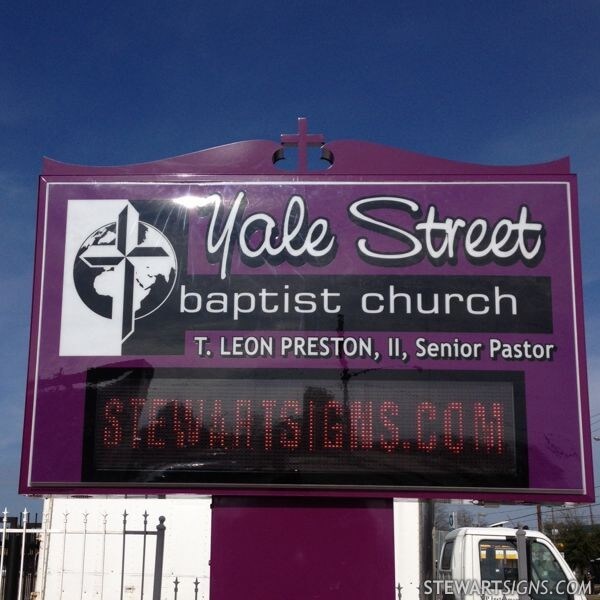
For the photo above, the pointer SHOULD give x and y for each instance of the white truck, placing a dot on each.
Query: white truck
(478, 563)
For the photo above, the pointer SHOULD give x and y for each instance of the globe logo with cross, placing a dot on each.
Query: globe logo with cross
(125, 270)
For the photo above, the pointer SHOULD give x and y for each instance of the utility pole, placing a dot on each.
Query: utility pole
(540, 524)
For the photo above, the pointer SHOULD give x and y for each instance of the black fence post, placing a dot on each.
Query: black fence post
(158, 563)
(123, 553)
(11, 583)
(145, 534)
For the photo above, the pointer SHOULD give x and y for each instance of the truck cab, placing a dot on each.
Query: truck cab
(479, 563)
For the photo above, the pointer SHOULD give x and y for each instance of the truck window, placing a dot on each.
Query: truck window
(548, 580)
(446, 561)
(498, 561)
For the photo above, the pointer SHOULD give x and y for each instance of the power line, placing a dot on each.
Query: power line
(502, 511)
(549, 510)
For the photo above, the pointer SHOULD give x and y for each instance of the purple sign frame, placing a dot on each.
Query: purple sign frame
(472, 269)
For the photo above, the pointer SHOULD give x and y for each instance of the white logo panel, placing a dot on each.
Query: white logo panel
(117, 269)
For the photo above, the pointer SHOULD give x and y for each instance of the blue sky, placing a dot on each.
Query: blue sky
(496, 82)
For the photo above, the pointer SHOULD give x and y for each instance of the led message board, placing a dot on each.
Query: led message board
(390, 428)
(332, 333)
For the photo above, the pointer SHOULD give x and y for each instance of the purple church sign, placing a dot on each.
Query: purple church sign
(396, 325)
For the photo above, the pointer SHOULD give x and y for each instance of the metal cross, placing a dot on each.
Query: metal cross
(125, 249)
(303, 140)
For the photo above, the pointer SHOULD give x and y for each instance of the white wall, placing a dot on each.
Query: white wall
(406, 548)
(69, 571)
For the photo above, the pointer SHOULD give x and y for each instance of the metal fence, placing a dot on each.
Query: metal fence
(75, 556)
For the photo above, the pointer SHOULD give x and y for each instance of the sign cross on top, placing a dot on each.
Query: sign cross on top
(302, 140)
